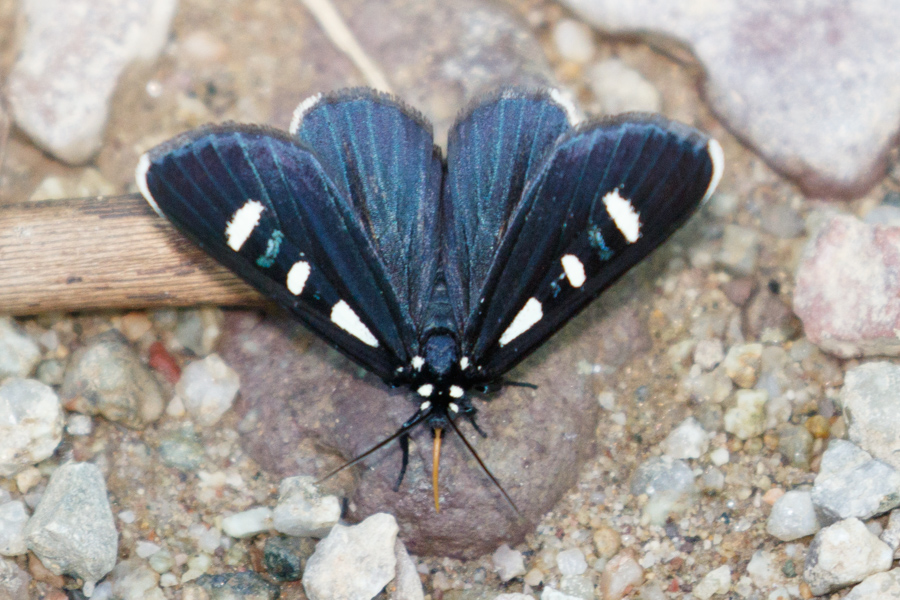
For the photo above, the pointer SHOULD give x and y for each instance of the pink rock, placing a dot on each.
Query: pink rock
(848, 288)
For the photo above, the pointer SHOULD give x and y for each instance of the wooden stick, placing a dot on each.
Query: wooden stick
(100, 253)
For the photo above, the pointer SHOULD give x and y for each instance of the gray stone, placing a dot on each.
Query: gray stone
(182, 449)
(795, 443)
(669, 485)
(688, 440)
(881, 586)
(19, 354)
(847, 287)
(353, 563)
(851, 483)
(843, 554)
(13, 517)
(824, 111)
(13, 581)
(72, 530)
(571, 562)
(793, 516)
(229, 586)
(407, 584)
(747, 418)
(72, 55)
(107, 377)
(31, 424)
(133, 579)
(285, 557)
(208, 388)
(740, 250)
(870, 402)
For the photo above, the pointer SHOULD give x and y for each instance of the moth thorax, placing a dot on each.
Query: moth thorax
(441, 354)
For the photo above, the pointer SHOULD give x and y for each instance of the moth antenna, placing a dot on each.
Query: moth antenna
(404, 430)
(484, 468)
(523, 384)
(404, 462)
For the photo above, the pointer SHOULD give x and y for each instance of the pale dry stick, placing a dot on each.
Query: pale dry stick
(340, 35)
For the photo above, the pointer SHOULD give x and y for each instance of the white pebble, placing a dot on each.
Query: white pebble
(31, 424)
(688, 440)
(508, 563)
(302, 510)
(793, 516)
(717, 581)
(13, 517)
(748, 417)
(843, 554)
(208, 388)
(573, 40)
(248, 523)
(621, 575)
(719, 456)
(571, 562)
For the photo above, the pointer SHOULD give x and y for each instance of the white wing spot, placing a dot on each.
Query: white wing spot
(454, 407)
(574, 270)
(464, 363)
(426, 390)
(573, 115)
(301, 110)
(297, 276)
(456, 391)
(242, 224)
(530, 314)
(717, 157)
(140, 178)
(344, 317)
(418, 362)
(623, 215)
(425, 405)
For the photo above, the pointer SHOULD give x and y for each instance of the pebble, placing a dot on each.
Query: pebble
(712, 481)
(551, 593)
(199, 329)
(747, 419)
(851, 483)
(573, 40)
(197, 566)
(843, 554)
(569, 562)
(107, 377)
(712, 387)
(134, 325)
(72, 530)
(302, 510)
(869, 399)
(71, 57)
(708, 354)
(208, 388)
(668, 484)
(719, 456)
(508, 563)
(31, 424)
(145, 549)
(742, 364)
(688, 440)
(793, 516)
(51, 372)
(619, 88)
(514, 596)
(248, 523)
(407, 583)
(19, 354)
(578, 586)
(891, 533)
(79, 425)
(717, 581)
(162, 561)
(846, 255)
(621, 575)
(13, 516)
(182, 449)
(880, 586)
(740, 250)
(353, 562)
(763, 570)
(13, 581)
(782, 220)
(284, 557)
(795, 444)
(245, 584)
(607, 541)
(133, 579)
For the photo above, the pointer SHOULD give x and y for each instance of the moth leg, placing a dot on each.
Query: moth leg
(469, 413)
(404, 447)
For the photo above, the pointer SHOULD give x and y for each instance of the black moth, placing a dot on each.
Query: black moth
(439, 275)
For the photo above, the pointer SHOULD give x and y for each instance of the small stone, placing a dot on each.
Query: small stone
(514, 596)
(353, 562)
(31, 424)
(302, 510)
(407, 583)
(72, 530)
(881, 586)
(748, 418)
(70, 60)
(669, 485)
(248, 523)
(719, 456)
(619, 88)
(795, 444)
(106, 377)
(891, 533)
(742, 364)
(285, 557)
(712, 481)
(208, 388)
(145, 549)
(79, 425)
(245, 584)
(133, 579)
(607, 541)
(569, 562)
(573, 40)
(717, 581)
(19, 354)
(182, 449)
(134, 325)
(782, 220)
(762, 569)
(13, 517)
(793, 516)
(688, 440)
(851, 483)
(199, 329)
(843, 554)
(534, 577)
(621, 575)
(869, 398)
(162, 561)
(818, 426)
(578, 586)
(508, 563)
(13, 581)
(740, 250)
(51, 372)
(708, 354)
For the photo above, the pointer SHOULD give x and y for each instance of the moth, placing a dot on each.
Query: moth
(437, 274)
